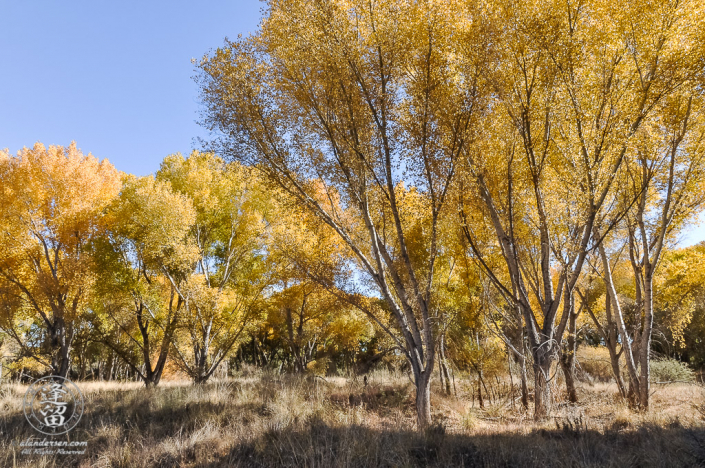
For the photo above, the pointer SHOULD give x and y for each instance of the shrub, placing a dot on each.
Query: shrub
(670, 370)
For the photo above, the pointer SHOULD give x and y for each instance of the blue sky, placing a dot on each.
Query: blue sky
(694, 233)
(116, 77)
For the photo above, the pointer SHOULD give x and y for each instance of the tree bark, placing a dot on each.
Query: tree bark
(479, 391)
(443, 365)
(611, 341)
(567, 359)
(568, 368)
(619, 319)
(542, 384)
(645, 348)
(423, 400)
(524, 386)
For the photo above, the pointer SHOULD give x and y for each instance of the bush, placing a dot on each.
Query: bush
(670, 370)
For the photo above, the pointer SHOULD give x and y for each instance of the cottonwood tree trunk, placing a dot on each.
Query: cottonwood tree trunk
(150, 370)
(568, 367)
(446, 375)
(152, 374)
(201, 369)
(443, 365)
(480, 401)
(614, 362)
(110, 365)
(624, 335)
(205, 361)
(293, 348)
(524, 385)
(645, 347)
(423, 399)
(299, 356)
(610, 336)
(542, 383)
(520, 358)
(60, 338)
(567, 359)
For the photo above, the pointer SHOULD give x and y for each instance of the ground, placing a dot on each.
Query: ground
(265, 419)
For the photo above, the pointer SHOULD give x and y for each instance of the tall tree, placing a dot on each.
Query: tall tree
(144, 259)
(666, 177)
(575, 83)
(52, 203)
(230, 274)
(362, 97)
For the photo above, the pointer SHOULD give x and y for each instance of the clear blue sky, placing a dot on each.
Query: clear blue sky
(116, 77)
(694, 233)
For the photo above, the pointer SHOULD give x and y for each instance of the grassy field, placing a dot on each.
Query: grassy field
(271, 420)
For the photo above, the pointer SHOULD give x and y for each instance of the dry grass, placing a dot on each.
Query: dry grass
(270, 420)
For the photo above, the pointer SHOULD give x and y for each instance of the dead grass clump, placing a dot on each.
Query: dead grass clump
(594, 361)
(379, 398)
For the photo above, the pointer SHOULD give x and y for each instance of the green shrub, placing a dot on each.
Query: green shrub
(670, 370)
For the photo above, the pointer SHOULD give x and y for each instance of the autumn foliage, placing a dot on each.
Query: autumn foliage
(438, 187)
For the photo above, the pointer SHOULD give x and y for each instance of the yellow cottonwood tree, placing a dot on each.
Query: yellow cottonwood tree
(665, 177)
(575, 85)
(142, 261)
(361, 97)
(52, 203)
(529, 110)
(224, 291)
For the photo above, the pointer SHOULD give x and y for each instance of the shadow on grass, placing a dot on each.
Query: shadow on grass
(321, 445)
(136, 415)
(128, 429)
